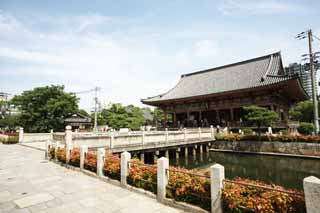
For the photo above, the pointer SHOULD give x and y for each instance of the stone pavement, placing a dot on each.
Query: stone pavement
(36, 145)
(29, 183)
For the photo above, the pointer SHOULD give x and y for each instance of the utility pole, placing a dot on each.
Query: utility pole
(95, 129)
(96, 103)
(312, 56)
(314, 84)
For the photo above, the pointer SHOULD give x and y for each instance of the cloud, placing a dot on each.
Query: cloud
(129, 61)
(253, 7)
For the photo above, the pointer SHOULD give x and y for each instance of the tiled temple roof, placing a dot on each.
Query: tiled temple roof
(257, 72)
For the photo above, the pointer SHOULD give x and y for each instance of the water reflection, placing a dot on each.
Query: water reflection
(285, 171)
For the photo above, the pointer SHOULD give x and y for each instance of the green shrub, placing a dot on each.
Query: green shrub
(11, 140)
(219, 137)
(247, 131)
(306, 128)
(237, 197)
(284, 132)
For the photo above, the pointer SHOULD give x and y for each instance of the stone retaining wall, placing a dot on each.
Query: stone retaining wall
(276, 147)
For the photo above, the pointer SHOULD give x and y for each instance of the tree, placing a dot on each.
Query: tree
(10, 121)
(83, 112)
(306, 128)
(118, 116)
(302, 112)
(45, 108)
(260, 116)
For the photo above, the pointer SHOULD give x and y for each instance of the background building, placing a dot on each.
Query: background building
(303, 70)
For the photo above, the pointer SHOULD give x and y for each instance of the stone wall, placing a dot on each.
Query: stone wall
(276, 147)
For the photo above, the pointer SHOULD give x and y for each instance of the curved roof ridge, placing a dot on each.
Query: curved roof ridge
(163, 94)
(230, 65)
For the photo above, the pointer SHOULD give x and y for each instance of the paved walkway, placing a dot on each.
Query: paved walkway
(28, 183)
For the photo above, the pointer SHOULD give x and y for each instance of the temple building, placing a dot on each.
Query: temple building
(216, 96)
(79, 121)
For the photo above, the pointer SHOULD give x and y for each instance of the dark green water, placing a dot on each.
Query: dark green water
(285, 171)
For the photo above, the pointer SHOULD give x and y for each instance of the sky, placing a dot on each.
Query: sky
(137, 49)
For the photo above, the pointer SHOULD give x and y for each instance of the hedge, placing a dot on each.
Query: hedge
(111, 166)
(143, 175)
(193, 186)
(268, 138)
(243, 198)
(90, 161)
(12, 139)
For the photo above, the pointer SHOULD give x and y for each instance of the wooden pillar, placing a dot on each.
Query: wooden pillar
(231, 114)
(165, 117)
(194, 150)
(142, 157)
(186, 152)
(155, 157)
(217, 116)
(177, 154)
(200, 118)
(167, 154)
(174, 118)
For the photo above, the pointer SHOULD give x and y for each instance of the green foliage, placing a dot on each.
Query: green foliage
(260, 116)
(306, 128)
(118, 116)
(10, 121)
(247, 131)
(302, 112)
(45, 108)
(83, 112)
(11, 140)
(284, 132)
(158, 115)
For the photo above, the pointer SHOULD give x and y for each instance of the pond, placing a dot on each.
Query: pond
(285, 171)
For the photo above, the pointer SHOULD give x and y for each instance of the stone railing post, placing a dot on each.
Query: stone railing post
(56, 148)
(68, 140)
(166, 135)
(143, 137)
(111, 138)
(47, 154)
(311, 187)
(125, 159)
(51, 134)
(21, 135)
(199, 132)
(162, 178)
(100, 161)
(184, 134)
(69, 148)
(212, 132)
(217, 177)
(83, 152)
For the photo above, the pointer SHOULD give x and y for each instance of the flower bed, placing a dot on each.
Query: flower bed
(190, 186)
(143, 175)
(75, 157)
(52, 153)
(90, 162)
(273, 138)
(61, 155)
(111, 167)
(243, 198)
(12, 139)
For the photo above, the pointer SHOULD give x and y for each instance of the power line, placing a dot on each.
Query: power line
(312, 56)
